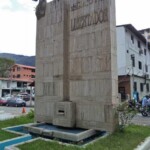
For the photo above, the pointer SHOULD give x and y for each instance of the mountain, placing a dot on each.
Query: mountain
(20, 59)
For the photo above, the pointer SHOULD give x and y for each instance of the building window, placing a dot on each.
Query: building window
(139, 44)
(140, 65)
(18, 68)
(33, 70)
(135, 86)
(19, 85)
(147, 87)
(146, 68)
(144, 51)
(32, 76)
(18, 75)
(132, 39)
(141, 87)
(133, 60)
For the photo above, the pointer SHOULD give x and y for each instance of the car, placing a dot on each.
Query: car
(24, 96)
(17, 102)
(3, 101)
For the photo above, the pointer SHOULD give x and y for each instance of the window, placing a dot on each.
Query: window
(146, 68)
(32, 76)
(133, 60)
(19, 84)
(144, 51)
(141, 87)
(135, 86)
(147, 87)
(132, 39)
(140, 65)
(18, 68)
(139, 44)
(33, 70)
(127, 51)
(18, 75)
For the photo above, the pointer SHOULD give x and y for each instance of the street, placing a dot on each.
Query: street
(16, 111)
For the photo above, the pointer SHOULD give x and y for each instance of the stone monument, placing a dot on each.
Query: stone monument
(76, 65)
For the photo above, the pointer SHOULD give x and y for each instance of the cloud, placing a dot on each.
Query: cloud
(135, 12)
(18, 28)
(5, 4)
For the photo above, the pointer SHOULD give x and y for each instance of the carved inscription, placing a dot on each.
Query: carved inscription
(85, 3)
(100, 15)
(89, 19)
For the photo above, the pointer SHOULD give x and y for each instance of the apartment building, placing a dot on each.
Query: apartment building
(146, 33)
(22, 72)
(21, 76)
(133, 56)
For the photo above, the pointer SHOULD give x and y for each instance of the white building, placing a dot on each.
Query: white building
(146, 33)
(13, 86)
(133, 53)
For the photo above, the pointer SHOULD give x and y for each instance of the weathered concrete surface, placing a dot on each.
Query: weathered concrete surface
(76, 62)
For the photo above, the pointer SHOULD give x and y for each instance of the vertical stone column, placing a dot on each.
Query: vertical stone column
(93, 67)
(51, 60)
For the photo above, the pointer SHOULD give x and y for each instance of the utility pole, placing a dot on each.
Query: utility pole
(10, 81)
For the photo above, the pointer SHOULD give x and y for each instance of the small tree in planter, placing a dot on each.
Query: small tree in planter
(125, 115)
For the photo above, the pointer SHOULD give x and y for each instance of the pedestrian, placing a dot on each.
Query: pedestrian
(144, 101)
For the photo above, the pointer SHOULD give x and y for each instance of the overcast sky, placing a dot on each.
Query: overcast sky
(18, 22)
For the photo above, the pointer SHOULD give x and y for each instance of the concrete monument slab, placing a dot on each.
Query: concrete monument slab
(76, 65)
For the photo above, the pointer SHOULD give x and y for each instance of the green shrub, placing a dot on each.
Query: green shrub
(31, 114)
(125, 115)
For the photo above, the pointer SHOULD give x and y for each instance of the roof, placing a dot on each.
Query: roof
(24, 66)
(136, 32)
(19, 80)
(147, 30)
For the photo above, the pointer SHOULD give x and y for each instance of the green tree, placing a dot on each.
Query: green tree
(5, 66)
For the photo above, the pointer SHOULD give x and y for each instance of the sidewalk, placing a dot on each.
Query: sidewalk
(5, 116)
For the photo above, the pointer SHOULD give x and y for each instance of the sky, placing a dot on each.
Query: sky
(18, 22)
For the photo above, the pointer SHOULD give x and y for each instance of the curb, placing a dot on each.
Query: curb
(145, 145)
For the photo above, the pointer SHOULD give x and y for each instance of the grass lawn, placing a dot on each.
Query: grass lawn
(128, 140)
(12, 122)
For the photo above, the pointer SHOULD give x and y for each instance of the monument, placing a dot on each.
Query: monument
(76, 65)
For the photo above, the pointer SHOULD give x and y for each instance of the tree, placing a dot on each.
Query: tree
(5, 66)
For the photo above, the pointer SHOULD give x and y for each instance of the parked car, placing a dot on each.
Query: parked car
(16, 102)
(24, 96)
(3, 101)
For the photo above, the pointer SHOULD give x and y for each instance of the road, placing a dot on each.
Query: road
(140, 120)
(16, 111)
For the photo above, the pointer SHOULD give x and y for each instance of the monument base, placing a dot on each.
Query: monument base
(66, 134)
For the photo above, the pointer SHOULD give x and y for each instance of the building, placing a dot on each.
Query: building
(13, 86)
(19, 79)
(22, 72)
(133, 53)
(146, 33)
